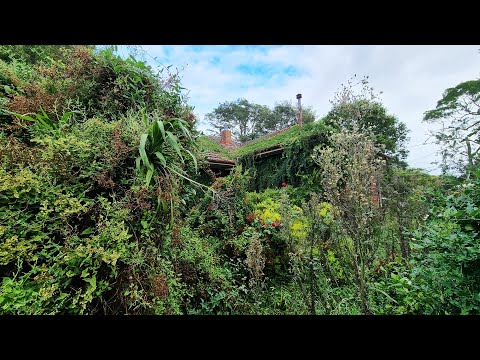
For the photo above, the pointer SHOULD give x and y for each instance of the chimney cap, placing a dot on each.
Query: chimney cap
(299, 96)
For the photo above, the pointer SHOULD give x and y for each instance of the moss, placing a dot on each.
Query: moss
(207, 144)
(283, 138)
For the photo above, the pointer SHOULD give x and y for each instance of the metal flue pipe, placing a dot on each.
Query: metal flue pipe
(299, 97)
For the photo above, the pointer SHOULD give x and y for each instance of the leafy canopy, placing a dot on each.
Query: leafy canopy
(249, 121)
(458, 112)
(362, 110)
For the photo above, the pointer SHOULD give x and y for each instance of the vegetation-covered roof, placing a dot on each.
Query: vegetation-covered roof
(208, 145)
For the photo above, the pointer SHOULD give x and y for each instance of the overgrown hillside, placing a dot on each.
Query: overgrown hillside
(101, 213)
(81, 230)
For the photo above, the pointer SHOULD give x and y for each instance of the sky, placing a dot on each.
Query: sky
(411, 78)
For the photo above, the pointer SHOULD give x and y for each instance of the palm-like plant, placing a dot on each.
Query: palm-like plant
(163, 150)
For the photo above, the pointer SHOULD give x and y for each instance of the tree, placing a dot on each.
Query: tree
(407, 202)
(364, 112)
(249, 121)
(351, 170)
(458, 111)
(285, 114)
(241, 116)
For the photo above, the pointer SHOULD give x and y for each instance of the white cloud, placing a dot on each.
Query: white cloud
(412, 78)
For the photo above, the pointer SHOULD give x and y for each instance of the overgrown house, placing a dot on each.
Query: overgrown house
(281, 156)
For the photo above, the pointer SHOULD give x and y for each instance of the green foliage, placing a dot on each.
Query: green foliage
(441, 276)
(458, 112)
(67, 278)
(351, 173)
(160, 150)
(96, 83)
(77, 234)
(200, 266)
(206, 145)
(294, 165)
(284, 114)
(366, 113)
(241, 116)
(222, 211)
(32, 54)
(451, 100)
(98, 214)
(447, 252)
(249, 121)
(283, 138)
(406, 195)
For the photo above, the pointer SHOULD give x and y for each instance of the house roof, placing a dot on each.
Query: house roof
(215, 158)
(218, 155)
(268, 145)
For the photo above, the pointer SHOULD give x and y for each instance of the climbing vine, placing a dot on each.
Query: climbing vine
(294, 165)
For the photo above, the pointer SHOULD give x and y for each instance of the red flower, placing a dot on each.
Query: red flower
(276, 223)
(284, 184)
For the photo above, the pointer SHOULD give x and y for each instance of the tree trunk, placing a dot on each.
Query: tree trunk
(360, 280)
(470, 158)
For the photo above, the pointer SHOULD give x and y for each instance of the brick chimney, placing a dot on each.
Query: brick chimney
(226, 137)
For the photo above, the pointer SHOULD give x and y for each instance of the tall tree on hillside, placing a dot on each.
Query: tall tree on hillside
(363, 110)
(241, 116)
(458, 111)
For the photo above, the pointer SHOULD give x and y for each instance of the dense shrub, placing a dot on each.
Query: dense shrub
(101, 213)
(80, 232)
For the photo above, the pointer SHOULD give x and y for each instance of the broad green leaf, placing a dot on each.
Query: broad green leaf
(164, 206)
(180, 120)
(161, 158)
(193, 158)
(162, 128)
(173, 142)
(92, 281)
(47, 126)
(144, 117)
(26, 117)
(143, 153)
(43, 113)
(66, 116)
(150, 171)
(137, 163)
(185, 131)
(155, 139)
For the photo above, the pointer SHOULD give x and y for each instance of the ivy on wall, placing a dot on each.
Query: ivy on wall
(294, 165)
